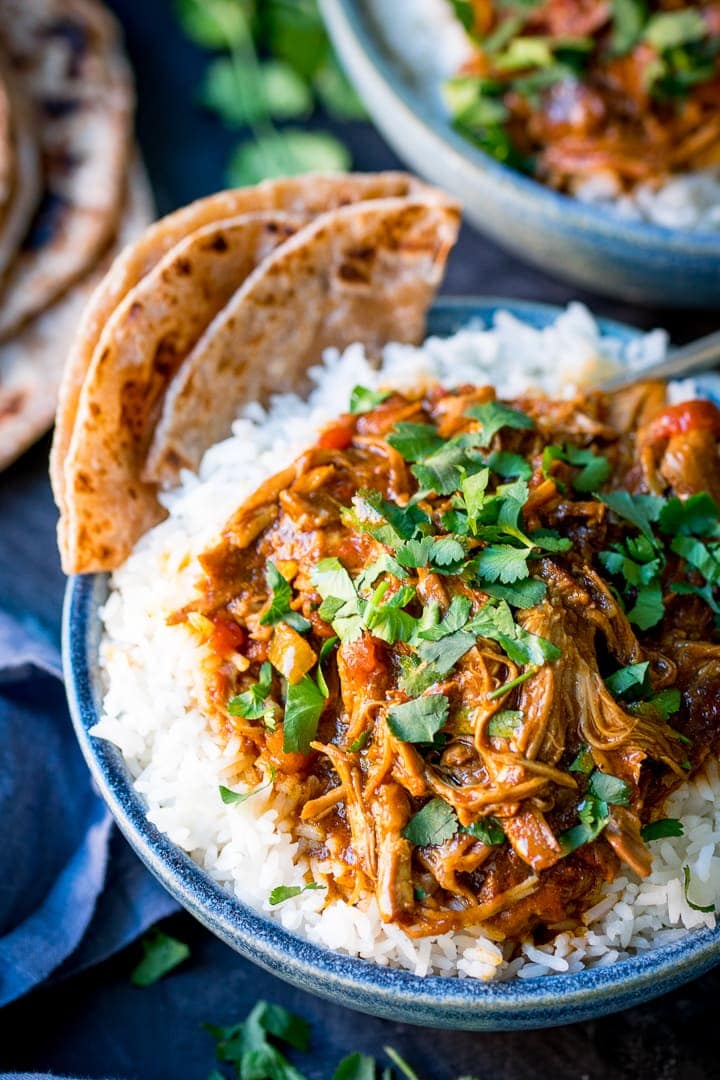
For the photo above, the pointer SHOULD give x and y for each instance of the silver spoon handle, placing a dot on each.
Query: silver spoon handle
(687, 360)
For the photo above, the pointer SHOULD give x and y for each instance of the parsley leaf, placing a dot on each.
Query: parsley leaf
(252, 704)
(420, 720)
(281, 893)
(280, 610)
(363, 400)
(494, 416)
(304, 703)
(162, 953)
(658, 830)
(434, 824)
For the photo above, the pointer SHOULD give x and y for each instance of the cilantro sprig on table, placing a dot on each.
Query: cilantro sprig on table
(272, 63)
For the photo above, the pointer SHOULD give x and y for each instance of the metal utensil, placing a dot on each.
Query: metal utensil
(688, 359)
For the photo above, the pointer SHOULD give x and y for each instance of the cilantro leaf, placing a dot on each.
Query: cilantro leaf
(609, 789)
(442, 471)
(341, 604)
(434, 824)
(213, 24)
(670, 29)
(509, 465)
(280, 610)
(687, 882)
(240, 95)
(660, 706)
(454, 619)
(403, 522)
(355, 1067)
(488, 830)
(281, 893)
(502, 562)
(521, 594)
(695, 516)
(442, 655)
(162, 954)
(699, 556)
(291, 150)
(304, 703)
(629, 18)
(420, 720)
(640, 510)
(414, 441)
(230, 797)
(658, 830)
(648, 608)
(631, 682)
(594, 816)
(363, 400)
(583, 761)
(594, 468)
(252, 704)
(505, 723)
(385, 564)
(494, 416)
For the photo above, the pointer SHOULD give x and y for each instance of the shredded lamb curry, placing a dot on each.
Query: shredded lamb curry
(472, 645)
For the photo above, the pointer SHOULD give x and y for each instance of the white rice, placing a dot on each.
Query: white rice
(151, 708)
(430, 44)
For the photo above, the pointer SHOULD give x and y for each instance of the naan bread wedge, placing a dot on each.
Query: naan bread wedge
(364, 272)
(309, 195)
(31, 363)
(67, 59)
(142, 346)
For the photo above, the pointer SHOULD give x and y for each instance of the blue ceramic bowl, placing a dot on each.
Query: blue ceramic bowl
(432, 1001)
(586, 244)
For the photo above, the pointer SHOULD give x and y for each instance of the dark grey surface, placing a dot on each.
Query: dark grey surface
(99, 1025)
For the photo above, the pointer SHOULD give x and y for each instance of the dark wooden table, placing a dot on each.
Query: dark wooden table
(97, 1024)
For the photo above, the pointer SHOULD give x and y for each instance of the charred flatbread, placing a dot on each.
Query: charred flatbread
(31, 363)
(365, 272)
(67, 59)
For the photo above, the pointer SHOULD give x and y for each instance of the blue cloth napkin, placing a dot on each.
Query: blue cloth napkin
(71, 890)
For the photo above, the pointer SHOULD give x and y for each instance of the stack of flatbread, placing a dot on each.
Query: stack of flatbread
(71, 192)
(221, 303)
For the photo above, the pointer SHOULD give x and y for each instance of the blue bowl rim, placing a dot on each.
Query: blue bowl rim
(575, 214)
(440, 1000)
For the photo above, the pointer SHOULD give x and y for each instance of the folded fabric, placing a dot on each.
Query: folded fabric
(71, 890)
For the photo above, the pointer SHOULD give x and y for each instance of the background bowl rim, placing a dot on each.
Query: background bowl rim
(343, 16)
(361, 984)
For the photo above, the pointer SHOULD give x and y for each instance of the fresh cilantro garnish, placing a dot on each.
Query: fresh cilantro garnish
(697, 515)
(687, 882)
(455, 618)
(658, 830)
(502, 562)
(420, 720)
(385, 521)
(443, 470)
(594, 468)
(629, 17)
(386, 564)
(488, 830)
(279, 609)
(281, 893)
(304, 703)
(594, 816)
(583, 761)
(512, 684)
(327, 647)
(248, 1048)
(356, 1066)
(388, 621)
(434, 824)
(162, 954)
(414, 442)
(670, 29)
(660, 706)
(400, 1063)
(230, 797)
(609, 789)
(505, 723)
(363, 400)
(494, 416)
(640, 510)
(631, 682)
(358, 744)
(444, 554)
(253, 704)
(521, 594)
(341, 606)
(509, 465)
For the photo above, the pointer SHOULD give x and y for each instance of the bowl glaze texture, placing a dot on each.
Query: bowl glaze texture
(588, 245)
(433, 1001)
